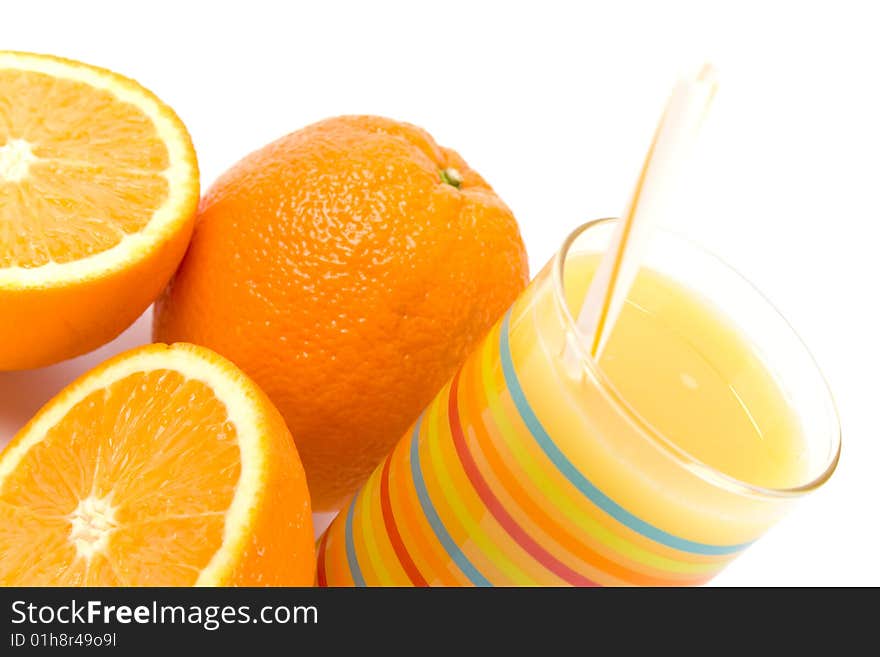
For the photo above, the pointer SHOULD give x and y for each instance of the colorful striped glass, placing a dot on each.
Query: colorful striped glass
(495, 485)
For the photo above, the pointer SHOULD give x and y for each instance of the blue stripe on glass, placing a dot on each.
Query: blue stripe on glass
(350, 553)
(452, 549)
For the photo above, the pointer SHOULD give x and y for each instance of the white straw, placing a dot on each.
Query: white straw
(673, 141)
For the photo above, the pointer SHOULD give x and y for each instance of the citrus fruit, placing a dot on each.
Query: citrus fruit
(165, 466)
(348, 268)
(98, 190)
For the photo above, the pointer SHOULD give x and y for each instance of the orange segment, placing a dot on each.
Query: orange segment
(64, 212)
(166, 466)
(98, 178)
(115, 135)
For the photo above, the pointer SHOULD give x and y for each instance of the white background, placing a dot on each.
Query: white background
(554, 102)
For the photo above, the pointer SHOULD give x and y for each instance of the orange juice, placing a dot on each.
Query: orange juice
(685, 369)
(536, 465)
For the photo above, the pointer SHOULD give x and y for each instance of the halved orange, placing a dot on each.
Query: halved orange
(98, 190)
(165, 466)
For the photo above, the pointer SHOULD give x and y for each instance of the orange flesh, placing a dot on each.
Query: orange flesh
(156, 448)
(78, 179)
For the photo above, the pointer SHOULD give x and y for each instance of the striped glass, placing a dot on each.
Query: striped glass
(495, 485)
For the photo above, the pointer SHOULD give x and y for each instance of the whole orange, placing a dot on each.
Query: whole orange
(348, 268)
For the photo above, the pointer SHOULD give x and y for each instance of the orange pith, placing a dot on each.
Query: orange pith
(141, 474)
(98, 186)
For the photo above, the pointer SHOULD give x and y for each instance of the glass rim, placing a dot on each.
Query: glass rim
(681, 456)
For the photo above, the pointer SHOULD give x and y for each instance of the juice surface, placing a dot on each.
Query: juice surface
(695, 379)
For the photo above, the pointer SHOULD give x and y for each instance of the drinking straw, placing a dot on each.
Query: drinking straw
(673, 142)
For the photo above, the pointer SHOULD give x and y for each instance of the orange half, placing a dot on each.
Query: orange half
(165, 466)
(98, 190)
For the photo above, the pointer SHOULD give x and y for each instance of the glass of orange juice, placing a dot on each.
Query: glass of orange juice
(700, 424)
